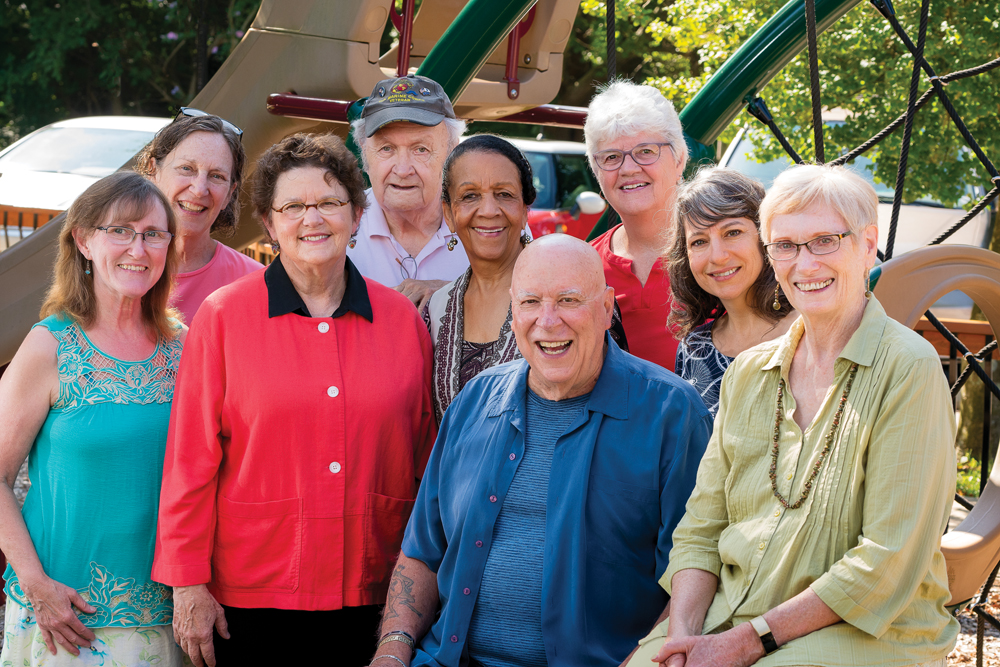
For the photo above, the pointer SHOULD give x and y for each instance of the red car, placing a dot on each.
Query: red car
(567, 200)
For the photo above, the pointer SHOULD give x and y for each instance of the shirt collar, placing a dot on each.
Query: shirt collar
(609, 396)
(282, 298)
(860, 349)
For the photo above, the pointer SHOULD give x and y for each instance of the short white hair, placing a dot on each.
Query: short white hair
(836, 189)
(623, 108)
(455, 126)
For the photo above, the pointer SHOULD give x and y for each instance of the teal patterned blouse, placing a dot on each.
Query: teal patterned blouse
(95, 471)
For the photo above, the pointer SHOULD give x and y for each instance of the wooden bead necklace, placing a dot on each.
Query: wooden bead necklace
(778, 413)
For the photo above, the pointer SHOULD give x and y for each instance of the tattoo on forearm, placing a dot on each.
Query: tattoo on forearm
(400, 593)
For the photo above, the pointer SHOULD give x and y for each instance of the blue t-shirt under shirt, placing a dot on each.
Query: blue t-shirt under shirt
(506, 626)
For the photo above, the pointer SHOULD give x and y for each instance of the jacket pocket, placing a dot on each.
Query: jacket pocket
(385, 521)
(258, 545)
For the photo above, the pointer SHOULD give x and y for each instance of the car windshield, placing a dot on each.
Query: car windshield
(744, 161)
(559, 178)
(76, 150)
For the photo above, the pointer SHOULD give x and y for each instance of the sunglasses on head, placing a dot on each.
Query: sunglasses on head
(197, 113)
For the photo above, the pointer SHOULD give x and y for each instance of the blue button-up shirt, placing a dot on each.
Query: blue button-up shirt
(620, 477)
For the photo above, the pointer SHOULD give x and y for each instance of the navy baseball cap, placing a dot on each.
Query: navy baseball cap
(411, 98)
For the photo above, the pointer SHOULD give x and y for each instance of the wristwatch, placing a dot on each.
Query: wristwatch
(763, 631)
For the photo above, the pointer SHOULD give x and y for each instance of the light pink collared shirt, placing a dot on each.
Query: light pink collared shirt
(380, 257)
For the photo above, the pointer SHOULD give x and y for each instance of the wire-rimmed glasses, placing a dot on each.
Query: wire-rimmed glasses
(407, 267)
(154, 238)
(295, 209)
(821, 245)
(613, 159)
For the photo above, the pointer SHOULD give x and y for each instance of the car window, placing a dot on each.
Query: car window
(74, 150)
(543, 178)
(573, 176)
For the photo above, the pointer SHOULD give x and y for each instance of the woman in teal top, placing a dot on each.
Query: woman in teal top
(87, 400)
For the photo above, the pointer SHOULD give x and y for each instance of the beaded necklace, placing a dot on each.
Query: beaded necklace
(773, 471)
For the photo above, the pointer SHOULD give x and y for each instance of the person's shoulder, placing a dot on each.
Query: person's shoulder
(388, 304)
(657, 379)
(491, 382)
(906, 345)
(238, 261)
(603, 242)
(235, 294)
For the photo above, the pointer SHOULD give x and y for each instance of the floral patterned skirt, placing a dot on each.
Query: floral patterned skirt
(151, 646)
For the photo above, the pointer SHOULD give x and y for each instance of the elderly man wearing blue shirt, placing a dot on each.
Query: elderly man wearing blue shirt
(545, 514)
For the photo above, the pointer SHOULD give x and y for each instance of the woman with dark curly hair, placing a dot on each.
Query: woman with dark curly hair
(726, 298)
(302, 423)
(197, 161)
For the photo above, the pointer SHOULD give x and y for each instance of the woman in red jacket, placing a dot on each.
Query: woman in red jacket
(301, 425)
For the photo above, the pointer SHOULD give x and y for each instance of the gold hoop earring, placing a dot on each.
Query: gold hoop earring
(777, 304)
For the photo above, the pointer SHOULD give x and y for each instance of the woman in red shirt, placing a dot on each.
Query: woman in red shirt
(636, 147)
(301, 425)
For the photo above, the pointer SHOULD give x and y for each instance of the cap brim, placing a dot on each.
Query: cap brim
(383, 117)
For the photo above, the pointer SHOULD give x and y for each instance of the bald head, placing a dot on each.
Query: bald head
(562, 254)
(561, 308)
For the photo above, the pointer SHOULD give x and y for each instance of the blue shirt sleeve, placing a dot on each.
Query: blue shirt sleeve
(425, 539)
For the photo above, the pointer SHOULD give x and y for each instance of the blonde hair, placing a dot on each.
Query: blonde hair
(836, 189)
(623, 108)
(121, 197)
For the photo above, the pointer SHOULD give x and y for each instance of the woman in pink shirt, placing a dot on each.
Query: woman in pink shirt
(636, 147)
(197, 162)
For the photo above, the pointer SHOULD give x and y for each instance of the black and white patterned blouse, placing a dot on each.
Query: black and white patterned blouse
(701, 364)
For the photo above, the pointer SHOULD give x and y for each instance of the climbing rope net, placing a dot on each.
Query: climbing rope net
(915, 101)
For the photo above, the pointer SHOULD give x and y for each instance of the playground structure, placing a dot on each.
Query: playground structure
(305, 65)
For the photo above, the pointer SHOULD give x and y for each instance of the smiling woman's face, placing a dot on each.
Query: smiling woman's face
(637, 190)
(725, 258)
(197, 178)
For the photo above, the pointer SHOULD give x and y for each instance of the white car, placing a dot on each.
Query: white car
(920, 222)
(41, 174)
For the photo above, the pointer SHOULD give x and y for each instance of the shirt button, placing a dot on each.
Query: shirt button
(334, 467)
(777, 512)
(479, 543)
(454, 639)
(332, 392)
(467, 591)
(789, 476)
(493, 499)
(513, 456)
(760, 546)
(323, 327)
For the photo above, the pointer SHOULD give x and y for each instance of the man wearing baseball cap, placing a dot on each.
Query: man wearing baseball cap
(405, 132)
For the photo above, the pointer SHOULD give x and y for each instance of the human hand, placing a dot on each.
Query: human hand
(733, 648)
(195, 614)
(53, 604)
(419, 291)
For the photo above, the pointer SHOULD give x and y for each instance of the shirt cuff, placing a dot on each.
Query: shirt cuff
(709, 562)
(830, 592)
(182, 575)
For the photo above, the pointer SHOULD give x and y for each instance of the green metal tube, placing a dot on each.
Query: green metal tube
(469, 40)
(752, 66)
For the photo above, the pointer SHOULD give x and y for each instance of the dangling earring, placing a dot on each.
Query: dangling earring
(86, 267)
(275, 247)
(868, 283)
(777, 304)
(354, 240)
(525, 238)
(452, 242)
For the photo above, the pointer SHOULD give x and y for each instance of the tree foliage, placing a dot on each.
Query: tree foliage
(84, 57)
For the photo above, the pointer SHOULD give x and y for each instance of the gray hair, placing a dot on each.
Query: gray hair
(456, 128)
(623, 108)
(716, 194)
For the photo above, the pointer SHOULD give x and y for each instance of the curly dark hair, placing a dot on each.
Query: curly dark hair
(325, 151)
(713, 195)
(168, 138)
(491, 143)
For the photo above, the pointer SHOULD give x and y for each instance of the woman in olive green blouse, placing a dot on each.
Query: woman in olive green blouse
(812, 536)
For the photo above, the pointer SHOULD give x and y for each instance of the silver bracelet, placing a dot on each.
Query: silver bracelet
(387, 656)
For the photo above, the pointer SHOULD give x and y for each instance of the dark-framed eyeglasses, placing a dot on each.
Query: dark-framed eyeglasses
(198, 113)
(296, 209)
(154, 238)
(821, 245)
(613, 159)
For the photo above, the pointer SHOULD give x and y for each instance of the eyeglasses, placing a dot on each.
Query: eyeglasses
(612, 160)
(296, 209)
(154, 238)
(198, 113)
(821, 245)
(407, 267)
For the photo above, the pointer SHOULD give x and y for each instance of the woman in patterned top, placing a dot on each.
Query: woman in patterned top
(726, 298)
(87, 399)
